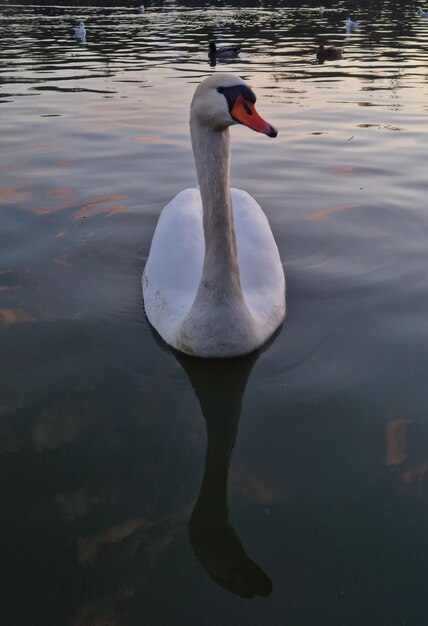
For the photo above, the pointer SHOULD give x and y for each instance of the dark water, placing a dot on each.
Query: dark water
(103, 429)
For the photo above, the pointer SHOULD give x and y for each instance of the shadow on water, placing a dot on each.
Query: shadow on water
(219, 386)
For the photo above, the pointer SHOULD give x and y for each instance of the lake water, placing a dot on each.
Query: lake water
(103, 429)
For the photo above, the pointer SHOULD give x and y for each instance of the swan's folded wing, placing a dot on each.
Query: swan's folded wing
(174, 265)
(261, 271)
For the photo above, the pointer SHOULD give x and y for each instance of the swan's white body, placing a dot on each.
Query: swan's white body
(214, 284)
(422, 12)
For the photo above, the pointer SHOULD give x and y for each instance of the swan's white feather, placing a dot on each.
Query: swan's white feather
(174, 267)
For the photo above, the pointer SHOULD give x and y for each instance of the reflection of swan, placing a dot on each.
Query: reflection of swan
(219, 386)
(329, 54)
(213, 284)
(224, 52)
(80, 30)
(350, 25)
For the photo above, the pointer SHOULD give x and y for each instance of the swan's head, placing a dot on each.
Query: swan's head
(223, 100)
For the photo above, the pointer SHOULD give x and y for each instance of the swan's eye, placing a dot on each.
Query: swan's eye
(241, 94)
(247, 108)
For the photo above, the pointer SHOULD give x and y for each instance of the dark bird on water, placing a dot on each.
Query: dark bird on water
(223, 52)
(329, 54)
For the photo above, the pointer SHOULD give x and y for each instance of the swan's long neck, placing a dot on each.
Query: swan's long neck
(211, 150)
(219, 322)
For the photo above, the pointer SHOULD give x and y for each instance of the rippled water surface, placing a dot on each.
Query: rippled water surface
(103, 430)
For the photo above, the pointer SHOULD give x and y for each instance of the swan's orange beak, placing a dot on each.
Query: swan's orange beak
(245, 113)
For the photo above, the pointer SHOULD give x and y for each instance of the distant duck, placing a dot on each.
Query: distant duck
(328, 54)
(422, 12)
(224, 52)
(142, 8)
(350, 25)
(322, 9)
(80, 31)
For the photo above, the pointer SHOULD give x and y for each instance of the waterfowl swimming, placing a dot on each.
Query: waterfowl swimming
(350, 25)
(80, 30)
(329, 54)
(322, 9)
(223, 52)
(214, 284)
(422, 12)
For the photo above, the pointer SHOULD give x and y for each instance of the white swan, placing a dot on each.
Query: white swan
(422, 12)
(213, 284)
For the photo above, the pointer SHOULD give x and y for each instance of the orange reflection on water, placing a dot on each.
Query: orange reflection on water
(9, 317)
(47, 210)
(89, 547)
(101, 205)
(64, 163)
(13, 195)
(134, 535)
(417, 473)
(63, 260)
(145, 138)
(344, 170)
(57, 193)
(60, 192)
(87, 209)
(323, 215)
(396, 441)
